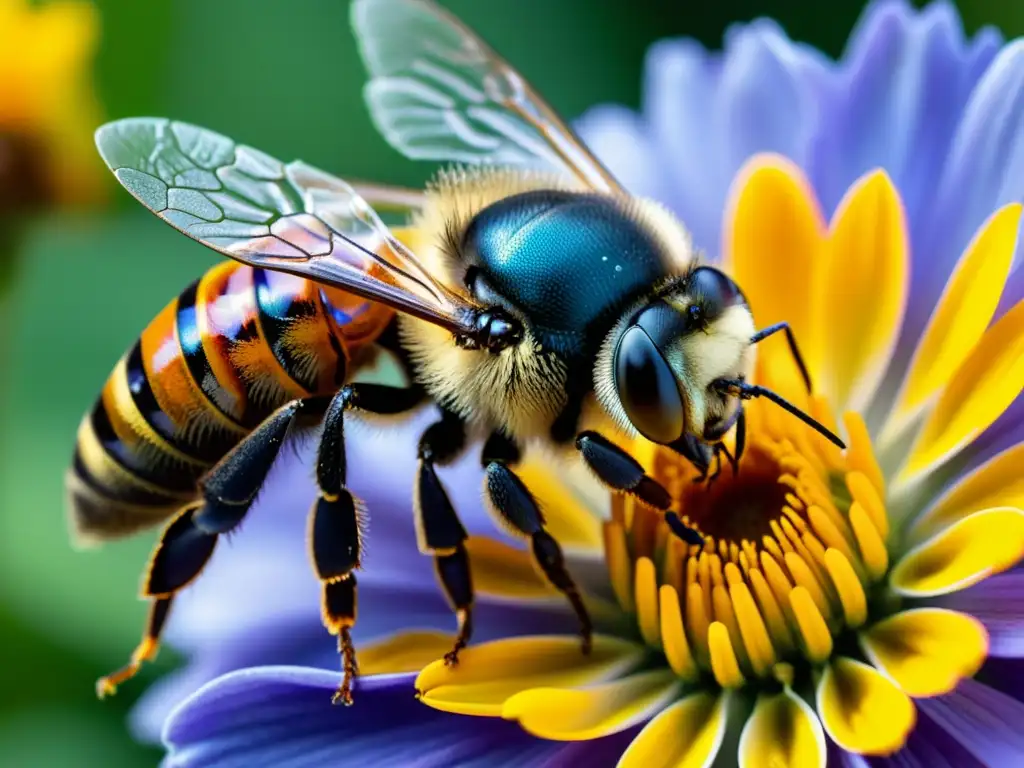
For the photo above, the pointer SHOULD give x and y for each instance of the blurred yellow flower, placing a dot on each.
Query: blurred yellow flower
(48, 106)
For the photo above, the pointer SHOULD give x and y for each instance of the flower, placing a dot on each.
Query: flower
(888, 518)
(48, 108)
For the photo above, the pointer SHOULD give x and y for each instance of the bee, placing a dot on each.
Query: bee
(530, 299)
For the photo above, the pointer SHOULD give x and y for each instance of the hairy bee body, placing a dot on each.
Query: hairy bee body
(565, 261)
(234, 346)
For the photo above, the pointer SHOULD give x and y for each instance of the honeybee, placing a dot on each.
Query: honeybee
(529, 298)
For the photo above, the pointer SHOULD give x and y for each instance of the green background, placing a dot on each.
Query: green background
(282, 76)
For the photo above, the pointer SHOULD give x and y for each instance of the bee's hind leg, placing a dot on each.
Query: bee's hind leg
(515, 505)
(227, 491)
(621, 472)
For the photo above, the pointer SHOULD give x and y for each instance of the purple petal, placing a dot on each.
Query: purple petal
(300, 639)
(985, 168)
(929, 746)
(1003, 674)
(986, 722)
(708, 113)
(837, 757)
(998, 602)
(905, 78)
(619, 137)
(282, 716)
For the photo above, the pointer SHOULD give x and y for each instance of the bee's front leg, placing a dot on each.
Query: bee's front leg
(512, 502)
(621, 472)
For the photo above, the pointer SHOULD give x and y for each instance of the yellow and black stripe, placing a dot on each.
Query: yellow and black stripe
(219, 359)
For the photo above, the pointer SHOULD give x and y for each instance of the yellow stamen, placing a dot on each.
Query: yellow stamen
(697, 617)
(869, 541)
(616, 554)
(785, 563)
(865, 493)
(848, 586)
(804, 578)
(816, 636)
(753, 629)
(677, 649)
(646, 597)
(772, 612)
(723, 657)
(859, 455)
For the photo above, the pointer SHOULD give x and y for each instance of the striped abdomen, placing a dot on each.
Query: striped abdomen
(232, 348)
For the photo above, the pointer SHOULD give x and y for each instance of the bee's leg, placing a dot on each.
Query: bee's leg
(733, 462)
(144, 652)
(515, 505)
(718, 450)
(741, 440)
(335, 535)
(438, 528)
(621, 472)
(227, 492)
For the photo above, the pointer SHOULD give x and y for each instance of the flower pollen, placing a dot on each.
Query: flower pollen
(795, 541)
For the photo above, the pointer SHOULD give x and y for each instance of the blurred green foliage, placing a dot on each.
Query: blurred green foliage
(282, 76)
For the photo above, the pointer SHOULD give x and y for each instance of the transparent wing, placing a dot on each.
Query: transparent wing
(265, 213)
(388, 199)
(438, 92)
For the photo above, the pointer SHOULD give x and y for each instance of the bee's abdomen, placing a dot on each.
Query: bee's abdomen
(232, 348)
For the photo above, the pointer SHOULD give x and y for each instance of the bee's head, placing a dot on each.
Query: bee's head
(669, 352)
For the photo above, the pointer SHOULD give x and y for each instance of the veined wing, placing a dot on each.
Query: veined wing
(438, 92)
(289, 217)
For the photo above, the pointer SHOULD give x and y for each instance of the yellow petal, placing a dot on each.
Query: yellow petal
(404, 652)
(963, 313)
(983, 386)
(773, 240)
(862, 290)
(998, 482)
(501, 570)
(782, 732)
(573, 523)
(927, 651)
(595, 711)
(489, 673)
(980, 545)
(862, 710)
(686, 735)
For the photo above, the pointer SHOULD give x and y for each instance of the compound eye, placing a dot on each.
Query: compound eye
(713, 290)
(647, 387)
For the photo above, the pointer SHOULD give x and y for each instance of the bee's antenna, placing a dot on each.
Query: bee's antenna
(764, 333)
(746, 391)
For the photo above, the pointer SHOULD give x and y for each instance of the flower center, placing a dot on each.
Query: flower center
(794, 543)
(23, 182)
